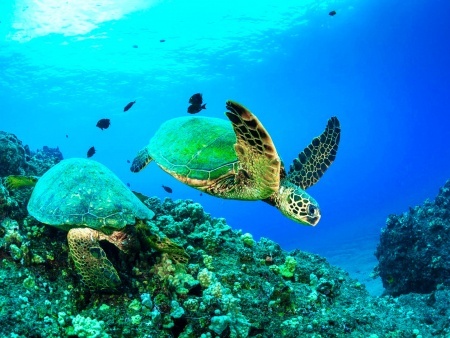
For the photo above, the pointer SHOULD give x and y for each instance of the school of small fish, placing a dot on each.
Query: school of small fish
(196, 106)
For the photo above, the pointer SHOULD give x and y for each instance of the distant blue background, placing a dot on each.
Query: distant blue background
(382, 67)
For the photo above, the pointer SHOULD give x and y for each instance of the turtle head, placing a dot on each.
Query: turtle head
(296, 204)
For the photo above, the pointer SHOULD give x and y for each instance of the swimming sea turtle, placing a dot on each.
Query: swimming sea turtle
(86, 199)
(239, 161)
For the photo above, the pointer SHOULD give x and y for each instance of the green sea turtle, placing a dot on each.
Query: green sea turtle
(239, 161)
(86, 199)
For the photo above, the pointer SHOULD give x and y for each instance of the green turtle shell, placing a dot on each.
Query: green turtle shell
(84, 193)
(195, 147)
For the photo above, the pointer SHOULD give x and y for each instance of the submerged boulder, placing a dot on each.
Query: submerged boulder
(414, 248)
(18, 159)
(12, 155)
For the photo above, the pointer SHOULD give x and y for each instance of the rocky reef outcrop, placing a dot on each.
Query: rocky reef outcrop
(414, 248)
(13, 155)
(18, 159)
(232, 286)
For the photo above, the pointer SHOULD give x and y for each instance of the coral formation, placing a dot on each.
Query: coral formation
(12, 155)
(17, 159)
(414, 247)
(231, 286)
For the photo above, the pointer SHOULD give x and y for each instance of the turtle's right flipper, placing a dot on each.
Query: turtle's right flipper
(20, 181)
(312, 162)
(255, 150)
(141, 160)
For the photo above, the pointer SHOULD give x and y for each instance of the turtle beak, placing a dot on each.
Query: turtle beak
(313, 215)
(313, 220)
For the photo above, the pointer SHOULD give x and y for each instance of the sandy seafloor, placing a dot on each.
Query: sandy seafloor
(357, 258)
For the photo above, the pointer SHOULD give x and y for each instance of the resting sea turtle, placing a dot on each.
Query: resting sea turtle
(239, 161)
(86, 199)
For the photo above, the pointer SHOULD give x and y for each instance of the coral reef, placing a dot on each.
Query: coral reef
(231, 286)
(12, 154)
(414, 248)
(17, 159)
(226, 290)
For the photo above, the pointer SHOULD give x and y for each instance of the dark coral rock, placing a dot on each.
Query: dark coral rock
(43, 159)
(13, 204)
(17, 159)
(414, 248)
(12, 155)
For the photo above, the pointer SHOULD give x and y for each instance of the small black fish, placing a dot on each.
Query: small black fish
(194, 109)
(332, 13)
(162, 40)
(103, 123)
(67, 136)
(91, 152)
(128, 161)
(128, 185)
(135, 46)
(201, 194)
(129, 105)
(196, 99)
(168, 189)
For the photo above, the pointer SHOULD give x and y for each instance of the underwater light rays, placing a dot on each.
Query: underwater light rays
(39, 18)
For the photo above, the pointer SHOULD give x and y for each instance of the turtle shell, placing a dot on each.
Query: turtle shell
(84, 193)
(195, 148)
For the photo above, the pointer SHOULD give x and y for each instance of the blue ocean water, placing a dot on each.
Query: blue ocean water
(382, 67)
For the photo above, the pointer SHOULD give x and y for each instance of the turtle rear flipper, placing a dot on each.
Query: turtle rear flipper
(256, 152)
(141, 160)
(90, 260)
(20, 181)
(312, 162)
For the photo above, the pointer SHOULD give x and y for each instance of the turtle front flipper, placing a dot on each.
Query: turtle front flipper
(20, 181)
(258, 157)
(141, 160)
(90, 260)
(312, 162)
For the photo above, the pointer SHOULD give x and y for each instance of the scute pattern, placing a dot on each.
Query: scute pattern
(194, 149)
(315, 159)
(79, 192)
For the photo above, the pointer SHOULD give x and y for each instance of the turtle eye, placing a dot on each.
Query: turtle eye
(312, 210)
